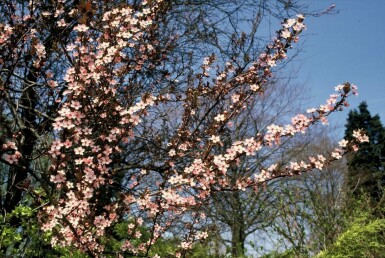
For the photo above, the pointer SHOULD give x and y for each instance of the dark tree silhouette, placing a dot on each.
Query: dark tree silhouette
(366, 166)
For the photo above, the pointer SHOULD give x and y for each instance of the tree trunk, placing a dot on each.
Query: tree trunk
(20, 173)
(238, 236)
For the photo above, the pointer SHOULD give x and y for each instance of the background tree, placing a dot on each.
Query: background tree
(311, 210)
(241, 214)
(367, 165)
(320, 213)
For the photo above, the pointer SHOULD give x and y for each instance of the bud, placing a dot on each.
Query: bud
(346, 87)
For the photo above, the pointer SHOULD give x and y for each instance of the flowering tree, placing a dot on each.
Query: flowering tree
(96, 130)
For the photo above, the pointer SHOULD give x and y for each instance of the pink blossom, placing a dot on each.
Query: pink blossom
(215, 139)
(343, 143)
(79, 150)
(81, 28)
(285, 34)
(220, 118)
(360, 136)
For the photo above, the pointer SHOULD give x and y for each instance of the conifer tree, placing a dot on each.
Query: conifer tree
(366, 166)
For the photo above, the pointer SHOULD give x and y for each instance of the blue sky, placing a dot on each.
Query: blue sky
(346, 46)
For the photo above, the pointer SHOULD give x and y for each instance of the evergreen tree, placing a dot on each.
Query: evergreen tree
(366, 166)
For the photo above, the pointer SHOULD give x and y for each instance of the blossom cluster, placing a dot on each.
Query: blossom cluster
(82, 159)
(10, 147)
(5, 33)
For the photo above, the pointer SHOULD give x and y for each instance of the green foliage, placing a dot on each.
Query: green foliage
(286, 254)
(167, 247)
(23, 238)
(68, 253)
(164, 247)
(365, 237)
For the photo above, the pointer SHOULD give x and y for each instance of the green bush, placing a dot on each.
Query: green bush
(365, 237)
